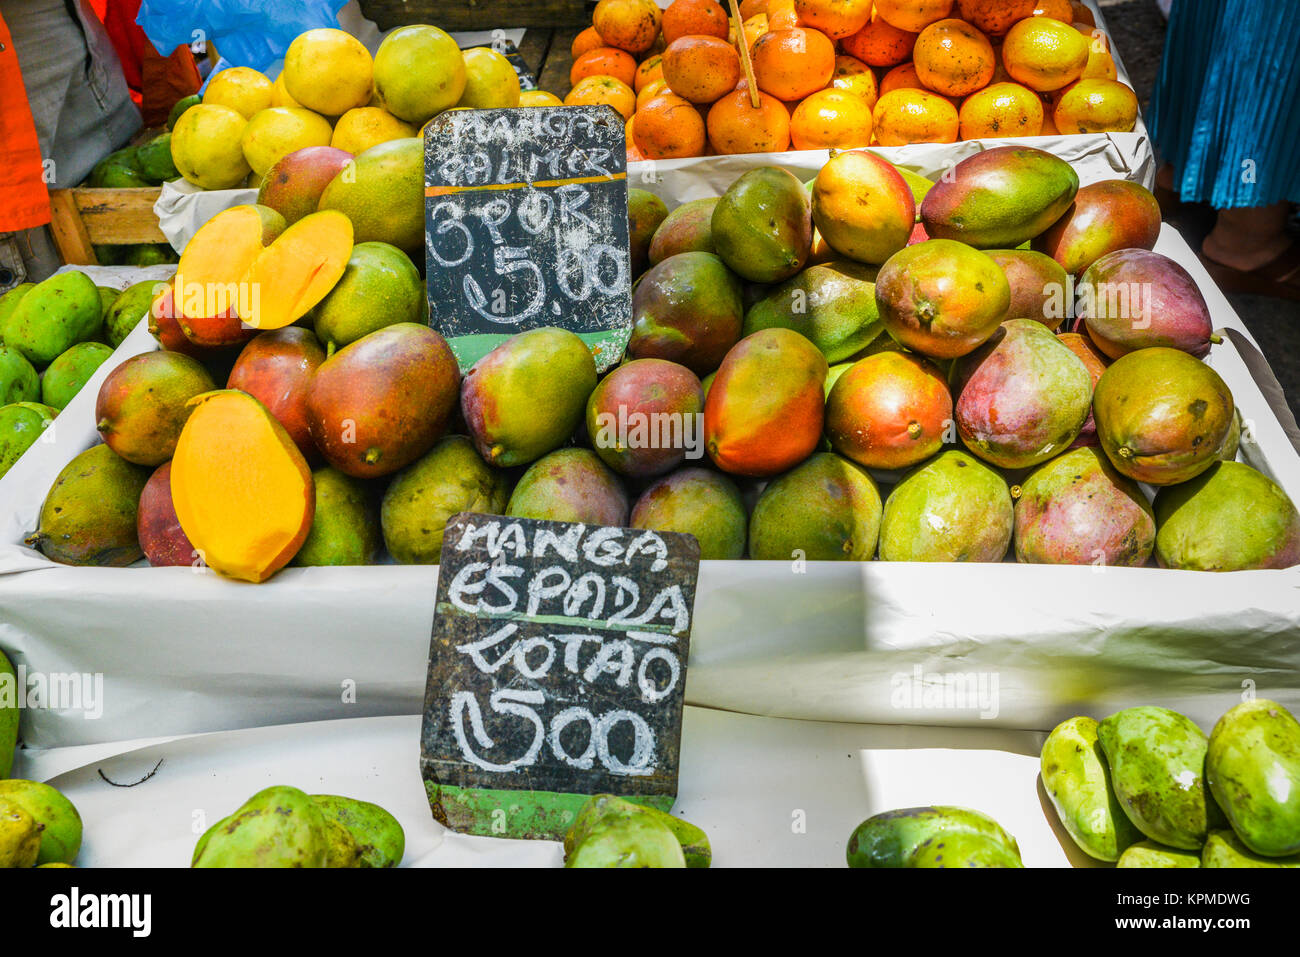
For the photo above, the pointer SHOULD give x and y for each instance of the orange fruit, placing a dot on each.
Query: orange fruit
(830, 119)
(628, 127)
(914, 116)
(650, 91)
(854, 76)
(1049, 125)
(588, 39)
(752, 8)
(1001, 109)
(1096, 106)
(701, 68)
(913, 15)
(604, 61)
(704, 18)
(835, 18)
(790, 64)
(736, 126)
(879, 43)
(754, 28)
(603, 89)
(630, 25)
(634, 155)
(1044, 54)
(953, 58)
(994, 18)
(1100, 66)
(1082, 14)
(650, 69)
(901, 77)
(668, 127)
(1056, 9)
(781, 15)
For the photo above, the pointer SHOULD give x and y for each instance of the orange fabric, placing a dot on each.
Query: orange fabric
(24, 197)
(166, 80)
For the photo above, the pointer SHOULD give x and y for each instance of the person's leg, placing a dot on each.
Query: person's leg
(1248, 238)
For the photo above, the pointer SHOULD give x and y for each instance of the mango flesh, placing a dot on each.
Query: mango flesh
(832, 305)
(762, 225)
(643, 414)
(449, 479)
(381, 402)
(144, 403)
(53, 317)
(206, 149)
(1157, 766)
(55, 814)
(8, 718)
(827, 509)
(1039, 286)
(382, 193)
(1151, 854)
(1225, 849)
(953, 508)
(1106, 216)
(765, 409)
(1000, 197)
(633, 841)
(277, 827)
(1162, 416)
(419, 72)
(276, 368)
(380, 286)
(1136, 299)
(1022, 398)
(20, 837)
(377, 834)
(942, 298)
(570, 485)
(604, 809)
(242, 490)
(688, 309)
(1077, 510)
(127, 310)
(1253, 768)
(862, 206)
(699, 502)
(157, 525)
(686, 229)
(217, 258)
(908, 837)
(345, 527)
(645, 213)
(294, 184)
(65, 376)
(296, 272)
(889, 410)
(89, 514)
(1077, 780)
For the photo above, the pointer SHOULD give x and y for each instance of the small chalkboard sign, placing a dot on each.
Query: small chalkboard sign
(526, 226)
(557, 670)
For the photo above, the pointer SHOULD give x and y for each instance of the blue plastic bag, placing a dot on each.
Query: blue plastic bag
(252, 33)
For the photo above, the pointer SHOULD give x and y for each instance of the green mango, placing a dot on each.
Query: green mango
(570, 485)
(131, 306)
(204, 838)
(119, 162)
(699, 502)
(9, 715)
(1226, 849)
(645, 214)
(155, 159)
(894, 838)
(9, 301)
(953, 508)
(637, 840)
(1157, 768)
(60, 823)
(832, 305)
(380, 286)
(119, 176)
(918, 184)
(1253, 768)
(377, 834)
(341, 848)
(963, 849)
(67, 374)
(21, 424)
(824, 509)
(449, 478)
(150, 254)
(56, 315)
(762, 225)
(107, 296)
(89, 515)
(20, 836)
(603, 809)
(345, 528)
(277, 827)
(107, 254)
(18, 379)
(180, 106)
(1077, 780)
(1151, 854)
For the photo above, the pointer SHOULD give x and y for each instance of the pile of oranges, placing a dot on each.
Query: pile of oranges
(847, 73)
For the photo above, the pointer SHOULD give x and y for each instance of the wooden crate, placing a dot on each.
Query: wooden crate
(83, 217)
(480, 14)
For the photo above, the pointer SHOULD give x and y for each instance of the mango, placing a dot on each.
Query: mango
(65, 376)
(329, 71)
(687, 309)
(276, 368)
(633, 841)
(341, 848)
(144, 403)
(155, 159)
(9, 715)
(19, 381)
(833, 305)
(1233, 442)
(645, 417)
(570, 485)
(1157, 767)
(365, 126)
(382, 192)
(765, 410)
(762, 225)
(1151, 854)
(953, 508)
(1104, 217)
(419, 71)
(1022, 397)
(917, 837)
(889, 411)
(345, 527)
(1162, 416)
(180, 106)
(241, 88)
(1226, 849)
(379, 287)
(288, 278)
(942, 298)
(9, 301)
(1253, 769)
(1039, 286)
(1136, 299)
(699, 502)
(51, 318)
(107, 296)
(449, 479)
(862, 206)
(89, 514)
(377, 834)
(1077, 779)
(605, 809)
(645, 214)
(293, 185)
(20, 837)
(381, 402)
(159, 529)
(1077, 510)
(207, 289)
(129, 308)
(206, 146)
(1096, 362)
(686, 229)
(21, 424)
(277, 827)
(826, 509)
(274, 133)
(1000, 197)
(57, 817)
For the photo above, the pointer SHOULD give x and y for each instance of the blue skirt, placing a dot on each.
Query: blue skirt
(1226, 106)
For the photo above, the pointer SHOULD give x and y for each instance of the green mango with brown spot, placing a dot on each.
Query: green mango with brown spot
(645, 213)
(1226, 849)
(1077, 780)
(686, 229)
(762, 225)
(345, 526)
(604, 810)
(699, 502)
(832, 305)
(54, 316)
(21, 424)
(277, 827)
(1253, 767)
(378, 836)
(89, 515)
(1153, 855)
(938, 836)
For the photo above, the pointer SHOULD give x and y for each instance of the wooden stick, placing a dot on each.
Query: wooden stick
(754, 101)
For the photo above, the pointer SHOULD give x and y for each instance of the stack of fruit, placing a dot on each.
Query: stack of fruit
(847, 73)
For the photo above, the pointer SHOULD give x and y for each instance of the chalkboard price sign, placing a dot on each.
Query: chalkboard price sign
(526, 226)
(557, 670)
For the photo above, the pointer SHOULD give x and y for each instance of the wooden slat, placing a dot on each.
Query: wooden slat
(554, 77)
(480, 14)
(69, 231)
(120, 216)
(534, 47)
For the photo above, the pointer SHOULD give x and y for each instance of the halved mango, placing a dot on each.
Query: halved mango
(297, 270)
(242, 490)
(217, 258)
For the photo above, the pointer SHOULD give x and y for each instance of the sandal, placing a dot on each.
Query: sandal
(1279, 278)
